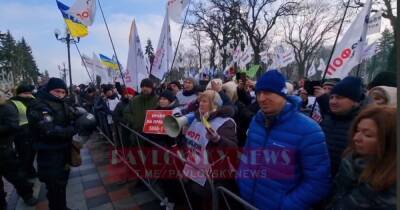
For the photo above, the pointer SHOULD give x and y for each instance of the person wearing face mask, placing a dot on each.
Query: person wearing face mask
(344, 105)
(300, 176)
(118, 114)
(367, 173)
(51, 124)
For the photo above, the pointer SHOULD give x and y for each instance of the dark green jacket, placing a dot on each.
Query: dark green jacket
(350, 193)
(135, 112)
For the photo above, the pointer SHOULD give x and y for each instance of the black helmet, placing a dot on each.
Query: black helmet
(86, 124)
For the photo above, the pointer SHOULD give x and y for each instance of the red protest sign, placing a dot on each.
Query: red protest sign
(154, 121)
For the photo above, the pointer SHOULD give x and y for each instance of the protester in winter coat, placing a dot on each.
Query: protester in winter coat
(212, 129)
(188, 94)
(118, 115)
(367, 173)
(50, 121)
(10, 166)
(300, 177)
(344, 105)
(135, 112)
(383, 95)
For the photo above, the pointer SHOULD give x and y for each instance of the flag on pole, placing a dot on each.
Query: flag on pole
(374, 23)
(348, 53)
(84, 10)
(312, 70)
(136, 66)
(99, 69)
(108, 62)
(175, 9)
(246, 57)
(163, 56)
(322, 65)
(75, 25)
(370, 50)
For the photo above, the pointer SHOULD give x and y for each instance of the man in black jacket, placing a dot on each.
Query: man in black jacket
(344, 105)
(51, 124)
(23, 140)
(10, 167)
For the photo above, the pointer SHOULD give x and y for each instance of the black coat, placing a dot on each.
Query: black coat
(51, 124)
(336, 130)
(9, 124)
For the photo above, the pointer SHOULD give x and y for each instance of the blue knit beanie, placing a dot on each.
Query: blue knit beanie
(272, 81)
(350, 87)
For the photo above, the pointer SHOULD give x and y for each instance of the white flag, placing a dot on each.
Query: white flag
(237, 53)
(163, 56)
(246, 57)
(312, 70)
(374, 23)
(287, 58)
(101, 70)
(86, 60)
(136, 66)
(348, 53)
(322, 65)
(84, 10)
(175, 9)
(370, 50)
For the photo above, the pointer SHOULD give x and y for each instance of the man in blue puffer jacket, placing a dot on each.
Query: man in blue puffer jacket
(285, 162)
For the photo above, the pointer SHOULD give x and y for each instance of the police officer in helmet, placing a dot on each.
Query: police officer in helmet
(51, 123)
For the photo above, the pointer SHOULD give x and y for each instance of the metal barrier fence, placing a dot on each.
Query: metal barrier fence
(115, 136)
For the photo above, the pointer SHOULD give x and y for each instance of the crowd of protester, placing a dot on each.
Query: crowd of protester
(336, 139)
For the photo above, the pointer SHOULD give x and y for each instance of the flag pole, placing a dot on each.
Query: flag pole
(332, 51)
(180, 35)
(112, 44)
(84, 63)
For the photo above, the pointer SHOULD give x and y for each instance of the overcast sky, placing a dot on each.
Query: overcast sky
(36, 20)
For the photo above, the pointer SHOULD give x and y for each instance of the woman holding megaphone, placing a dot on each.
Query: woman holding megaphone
(207, 141)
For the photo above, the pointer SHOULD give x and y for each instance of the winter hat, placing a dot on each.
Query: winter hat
(272, 81)
(168, 95)
(192, 80)
(25, 88)
(107, 88)
(331, 82)
(388, 93)
(350, 87)
(147, 83)
(385, 78)
(177, 83)
(129, 91)
(55, 83)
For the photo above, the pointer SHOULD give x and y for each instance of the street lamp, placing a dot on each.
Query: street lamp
(68, 39)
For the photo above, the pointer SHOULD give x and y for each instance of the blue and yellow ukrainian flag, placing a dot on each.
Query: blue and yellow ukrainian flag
(108, 62)
(76, 27)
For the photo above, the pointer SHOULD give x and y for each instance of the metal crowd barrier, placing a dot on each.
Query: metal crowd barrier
(118, 141)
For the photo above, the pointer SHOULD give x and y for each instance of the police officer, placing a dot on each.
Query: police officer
(9, 163)
(23, 140)
(51, 124)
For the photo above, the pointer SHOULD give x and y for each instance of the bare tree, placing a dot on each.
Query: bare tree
(197, 40)
(258, 17)
(218, 23)
(307, 32)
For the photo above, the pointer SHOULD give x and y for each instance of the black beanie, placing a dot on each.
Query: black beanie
(55, 83)
(25, 88)
(168, 95)
(177, 83)
(350, 87)
(107, 88)
(147, 83)
(384, 78)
